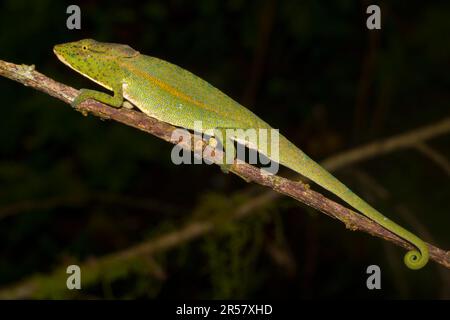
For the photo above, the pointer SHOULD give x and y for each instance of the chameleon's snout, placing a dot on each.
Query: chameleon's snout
(63, 53)
(57, 49)
(64, 48)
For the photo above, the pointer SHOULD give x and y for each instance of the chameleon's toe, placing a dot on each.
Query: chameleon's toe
(212, 142)
(75, 103)
(78, 99)
(225, 167)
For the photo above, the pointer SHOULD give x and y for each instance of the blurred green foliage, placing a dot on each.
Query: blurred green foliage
(76, 188)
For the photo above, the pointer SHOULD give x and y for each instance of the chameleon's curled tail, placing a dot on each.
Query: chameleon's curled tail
(301, 163)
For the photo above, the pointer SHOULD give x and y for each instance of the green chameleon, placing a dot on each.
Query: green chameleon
(174, 95)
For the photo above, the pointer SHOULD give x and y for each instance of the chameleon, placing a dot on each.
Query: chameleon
(158, 88)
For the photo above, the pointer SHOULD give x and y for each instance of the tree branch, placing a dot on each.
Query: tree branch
(354, 221)
(377, 148)
(438, 158)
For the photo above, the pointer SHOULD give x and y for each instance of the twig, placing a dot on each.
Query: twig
(29, 287)
(354, 221)
(406, 140)
(435, 156)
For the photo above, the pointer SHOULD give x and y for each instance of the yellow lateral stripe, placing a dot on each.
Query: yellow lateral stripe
(171, 90)
(166, 87)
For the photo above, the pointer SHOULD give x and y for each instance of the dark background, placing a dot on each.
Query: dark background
(74, 189)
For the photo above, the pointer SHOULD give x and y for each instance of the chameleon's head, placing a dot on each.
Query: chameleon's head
(95, 60)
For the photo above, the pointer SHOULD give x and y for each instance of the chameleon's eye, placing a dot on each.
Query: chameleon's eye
(84, 47)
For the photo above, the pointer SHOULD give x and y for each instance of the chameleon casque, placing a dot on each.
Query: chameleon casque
(158, 88)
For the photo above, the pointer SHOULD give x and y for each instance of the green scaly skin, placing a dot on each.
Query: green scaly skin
(174, 95)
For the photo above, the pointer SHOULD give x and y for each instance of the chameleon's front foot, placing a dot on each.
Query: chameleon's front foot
(82, 96)
(85, 94)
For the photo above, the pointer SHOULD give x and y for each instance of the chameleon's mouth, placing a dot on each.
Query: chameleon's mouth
(57, 52)
(56, 48)
(60, 56)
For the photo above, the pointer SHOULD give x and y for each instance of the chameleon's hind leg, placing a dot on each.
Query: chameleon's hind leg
(229, 151)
